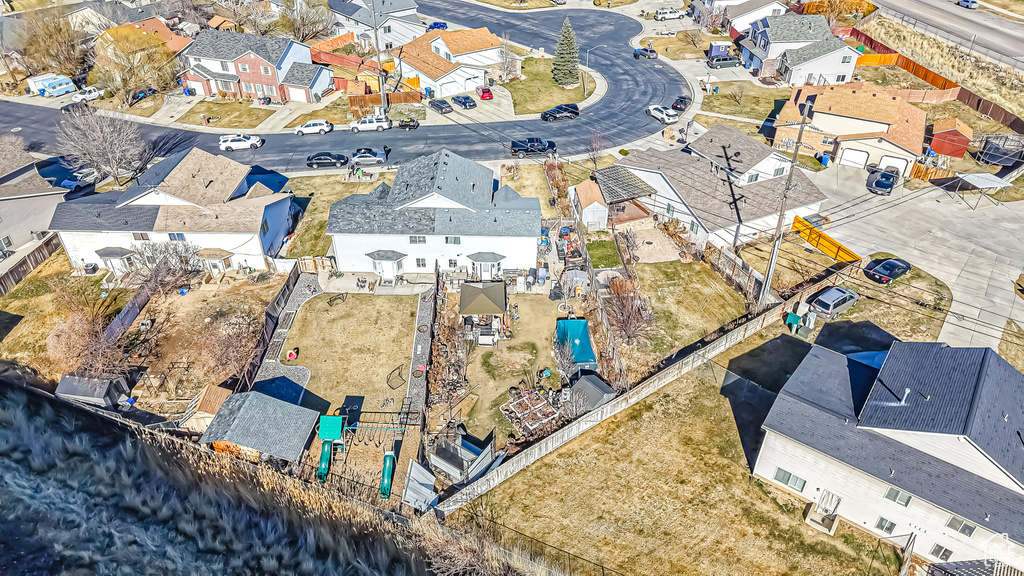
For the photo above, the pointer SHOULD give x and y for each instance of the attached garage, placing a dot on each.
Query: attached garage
(853, 157)
(900, 164)
(297, 94)
(199, 87)
(449, 88)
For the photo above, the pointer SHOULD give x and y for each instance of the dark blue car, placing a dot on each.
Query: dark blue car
(466, 102)
(438, 26)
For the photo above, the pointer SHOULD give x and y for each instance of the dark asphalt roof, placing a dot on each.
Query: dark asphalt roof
(730, 148)
(207, 73)
(99, 212)
(813, 409)
(446, 174)
(302, 74)
(591, 391)
(961, 391)
(797, 56)
(265, 424)
(620, 185)
(224, 45)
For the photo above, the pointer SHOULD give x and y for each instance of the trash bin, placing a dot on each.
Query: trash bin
(824, 159)
(491, 82)
(429, 91)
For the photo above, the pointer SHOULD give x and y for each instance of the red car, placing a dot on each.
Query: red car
(484, 93)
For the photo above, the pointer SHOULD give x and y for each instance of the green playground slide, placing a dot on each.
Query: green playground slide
(326, 449)
(386, 473)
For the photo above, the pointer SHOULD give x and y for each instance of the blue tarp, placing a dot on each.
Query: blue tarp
(577, 333)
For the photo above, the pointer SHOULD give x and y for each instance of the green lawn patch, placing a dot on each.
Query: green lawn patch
(603, 254)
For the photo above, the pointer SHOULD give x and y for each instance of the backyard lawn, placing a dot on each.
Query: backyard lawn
(684, 45)
(745, 99)
(537, 91)
(602, 250)
(532, 183)
(798, 261)
(809, 162)
(144, 109)
(579, 170)
(351, 347)
(318, 193)
(748, 128)
(491, 371)
(232, 114)
(663, 488)
(336, 113)
(891, 77)
(966, 114)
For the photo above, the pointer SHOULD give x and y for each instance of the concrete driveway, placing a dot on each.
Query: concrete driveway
(979, 253)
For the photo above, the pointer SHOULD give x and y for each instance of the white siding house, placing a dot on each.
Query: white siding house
(829, 61)
(442, 210)
(450, 62)
(739, 17)
(396, 20)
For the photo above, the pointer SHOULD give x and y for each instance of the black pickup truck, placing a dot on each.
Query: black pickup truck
(533, 147)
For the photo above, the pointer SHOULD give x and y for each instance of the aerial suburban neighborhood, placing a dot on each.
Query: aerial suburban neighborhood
(496, 287)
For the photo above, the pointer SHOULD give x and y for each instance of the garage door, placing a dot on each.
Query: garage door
(900, 164)
(852, 157)
(449, 89)
(198, 87)
(297, 94)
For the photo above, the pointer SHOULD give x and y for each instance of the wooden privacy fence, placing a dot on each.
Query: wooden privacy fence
(28, 263)
(877, 59)
(823, 242)
(407, 97)
(922, 172)
(129, 313)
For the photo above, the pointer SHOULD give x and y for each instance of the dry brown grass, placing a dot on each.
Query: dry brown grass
(679, 47)
(232, 114)
(745, 99)
(798, 261)
(340, 116)
(1011, 345)
(891, 77)
(145, 109)
(532, 183)
(999, 84)
(579, 170)
(310, 237)
(1014, 6)
(968, 115)
(748, 128)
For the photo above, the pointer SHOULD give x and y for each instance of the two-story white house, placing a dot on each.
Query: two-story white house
(725, 191)
(772, 36)
(829, 61)
(451, 62)
(192, 196)
(738, 18)
(250, 66)
(396, 21)
(923, 440)
(710, 14)
(442, 210)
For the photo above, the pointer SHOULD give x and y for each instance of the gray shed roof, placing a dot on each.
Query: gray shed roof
(302, 74)
(798, 56)
(620, 185)
(730, 148)
(792, 27)
(224, 45)
(591, 391)
(265, 424)
(813, 409)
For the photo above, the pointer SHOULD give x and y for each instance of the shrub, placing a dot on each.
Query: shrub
(624, 152)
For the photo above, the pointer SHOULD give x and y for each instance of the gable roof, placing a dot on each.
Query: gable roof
(465, 41)
(265, 424)
(100, 212)
(447, 174)
(117, 12)
(748, 7)
(813, 51)
(360, 11)
(302, 74)
(589, 193)
(224, 45)
(730, 148)
(952, 123)
(419, 54)
(795, 27)
(156, 28)
(197, 176)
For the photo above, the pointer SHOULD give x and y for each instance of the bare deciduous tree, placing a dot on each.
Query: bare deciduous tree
(508, 59)
(190, 11)
(230, 338)
(163, 267)
(128, 60)
(259, 19)
(595, 145)
(79, 342)
(693, 37)
(565, 360)
(306, 20)
(516, 163)
(629, 313)
(51, 43)
(832, 10)
(738, 91)
(111, 145)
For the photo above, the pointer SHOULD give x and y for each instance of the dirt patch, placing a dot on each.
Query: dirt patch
(891, 77)
(653, 246)
(798, 261)
(532, 183)
(746, 100)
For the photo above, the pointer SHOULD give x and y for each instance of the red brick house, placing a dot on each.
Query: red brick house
(248, 66)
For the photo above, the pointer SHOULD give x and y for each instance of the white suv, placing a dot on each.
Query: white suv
(86, 94)
(314, 127)
(663, 114)
(232, 142)
(667, 14)
(378, 123)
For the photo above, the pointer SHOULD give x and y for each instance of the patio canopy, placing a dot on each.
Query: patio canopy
(486, 257)
(114, 252)
(386, 255)
(984, 180)
(213, 253)
(482, 298)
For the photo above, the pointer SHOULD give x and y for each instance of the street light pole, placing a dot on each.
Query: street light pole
(382, 76)
(588, 66)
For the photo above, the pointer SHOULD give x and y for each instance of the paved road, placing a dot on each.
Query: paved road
(619, 116)
(994, 32)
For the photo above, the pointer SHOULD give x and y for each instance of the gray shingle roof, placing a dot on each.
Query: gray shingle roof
(360, 11)
(619, 185)
(224, 45)
(11, 32)
(265, 424)
(796, 27)
(301, 74)
(798, 56)
(747, 7)
(207, 73)
(486, 257)
(961, 391)
(730, 148)
(811, 409)
(100, 213)
(386, 255)
(591, 391)
(447, 174)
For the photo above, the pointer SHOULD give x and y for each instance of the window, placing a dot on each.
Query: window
(885, 525)
(269, 91)
(177, 237)
(752, 178)
(693, 226)
(387, 29)
(941, 553)
(421, 262)
(776, 12)
(847, 59)
(246, 87)
(779, 171)
(795, 482)
(225, 86)
(453, 263)
(264, 227)
(447, 56)
(388, 45)
(243, 67)
(898, 496)
(452, 240)
(417, 239)
(140, 236)
(265, 70)
(6, 240)
(437, 50)
(223, 66)
(670, 210)
(828, 140)
(841, 78)
(960, 525)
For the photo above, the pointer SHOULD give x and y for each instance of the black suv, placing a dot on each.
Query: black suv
(680, 104)
(561, 112)
(533, 147)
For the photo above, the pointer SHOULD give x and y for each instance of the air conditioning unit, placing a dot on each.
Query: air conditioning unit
(38, 236)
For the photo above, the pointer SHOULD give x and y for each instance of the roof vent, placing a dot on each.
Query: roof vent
(891, 472)
(906, 392)
(987, 516)
(1006, 417)
(495, 219)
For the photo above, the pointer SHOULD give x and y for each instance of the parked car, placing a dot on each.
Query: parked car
(645, 53)
(723, 61)
(440, 105)
(663, 114)
(997, 155)
(408, 124)
(80, 179)
(466, 102)
(887, 271)
(75, 108)
(561, 112)
(667, 14)
(680, 104)
(321, 159)
(970, 4)
(533, 147)
(368, 123)
(438, 26)
(885, 181)
(232, 142)
(484, 93)
(833, 302)
(364, 156)
(86, 94)
(314, 127)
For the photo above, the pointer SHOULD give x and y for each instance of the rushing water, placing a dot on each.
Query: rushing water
(79, 496)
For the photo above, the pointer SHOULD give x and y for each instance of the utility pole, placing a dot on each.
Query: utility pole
(766, 288)
(381, 75)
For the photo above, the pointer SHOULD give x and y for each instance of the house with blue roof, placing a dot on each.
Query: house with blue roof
(442, 210)
(923, 443)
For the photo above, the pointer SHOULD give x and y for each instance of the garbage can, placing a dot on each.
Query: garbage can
(491, 82)
(824, 159)
(429, 91)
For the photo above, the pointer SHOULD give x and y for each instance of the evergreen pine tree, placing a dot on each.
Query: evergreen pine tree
(566, 68)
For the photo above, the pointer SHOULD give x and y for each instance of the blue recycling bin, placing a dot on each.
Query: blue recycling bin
(825, 159)
(429, 91)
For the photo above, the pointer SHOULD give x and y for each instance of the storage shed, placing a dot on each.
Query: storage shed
(950, 137)
(590, 205)
(255, 421)
(102, 391)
